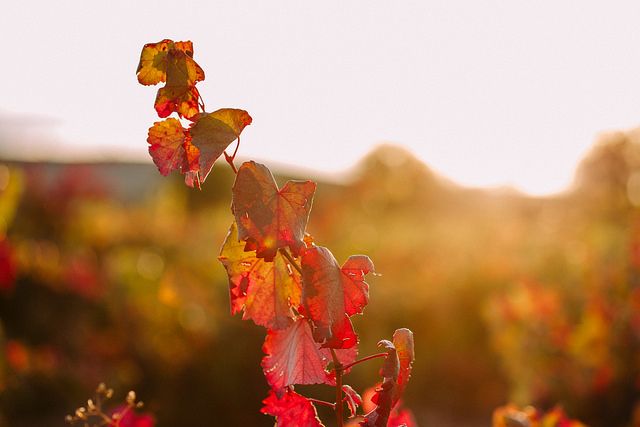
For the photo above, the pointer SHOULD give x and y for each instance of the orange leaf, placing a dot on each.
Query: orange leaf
(213, 132)
(193, 151)
(266, 291)
(166, 145)
(181, 99)
(395, 373)
(172, 63)
(152, 68)
(167, 61)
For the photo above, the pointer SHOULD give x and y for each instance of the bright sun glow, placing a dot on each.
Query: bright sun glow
(478, 91)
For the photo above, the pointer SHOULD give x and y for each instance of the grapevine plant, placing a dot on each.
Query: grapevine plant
(278, 277)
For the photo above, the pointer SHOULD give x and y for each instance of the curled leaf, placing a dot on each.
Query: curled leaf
(395, 373)
(403, 343)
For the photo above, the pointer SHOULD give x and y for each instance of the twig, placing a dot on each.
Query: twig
(364, 359)
(339, 404)
(322, 402)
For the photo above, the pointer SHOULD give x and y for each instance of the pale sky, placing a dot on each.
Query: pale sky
(487, 93)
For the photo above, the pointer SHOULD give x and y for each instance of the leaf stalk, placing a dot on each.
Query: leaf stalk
(364, 359)
(339, 403)
(322, 402)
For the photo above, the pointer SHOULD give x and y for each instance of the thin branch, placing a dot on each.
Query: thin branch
(322, 402)
(291, 260)
(364, 359)
(233, 156)
(339, 403)
(200, 100)
(229, 160)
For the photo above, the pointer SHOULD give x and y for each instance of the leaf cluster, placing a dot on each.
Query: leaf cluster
(194, 149)
(278, 277)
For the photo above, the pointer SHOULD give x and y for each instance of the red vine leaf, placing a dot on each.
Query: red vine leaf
(213, 132)
(171, 149)
(181, 99)
(291, 410)
(266, 291)
(356, 289)
(270, 218)
(330, 294)
(166, 145)
(342, 335)
(293, 357)
(395, 373)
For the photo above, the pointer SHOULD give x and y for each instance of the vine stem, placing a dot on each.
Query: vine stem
(364, 359)
(339, 404)
(230, 158)
(233, 156)
(322, 402)
(200, 100)
(291, 260)
(337, 366)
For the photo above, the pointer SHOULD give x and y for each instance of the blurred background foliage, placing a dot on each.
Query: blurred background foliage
(109, 272)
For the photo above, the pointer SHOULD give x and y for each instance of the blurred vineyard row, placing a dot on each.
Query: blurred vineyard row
(110, 273)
